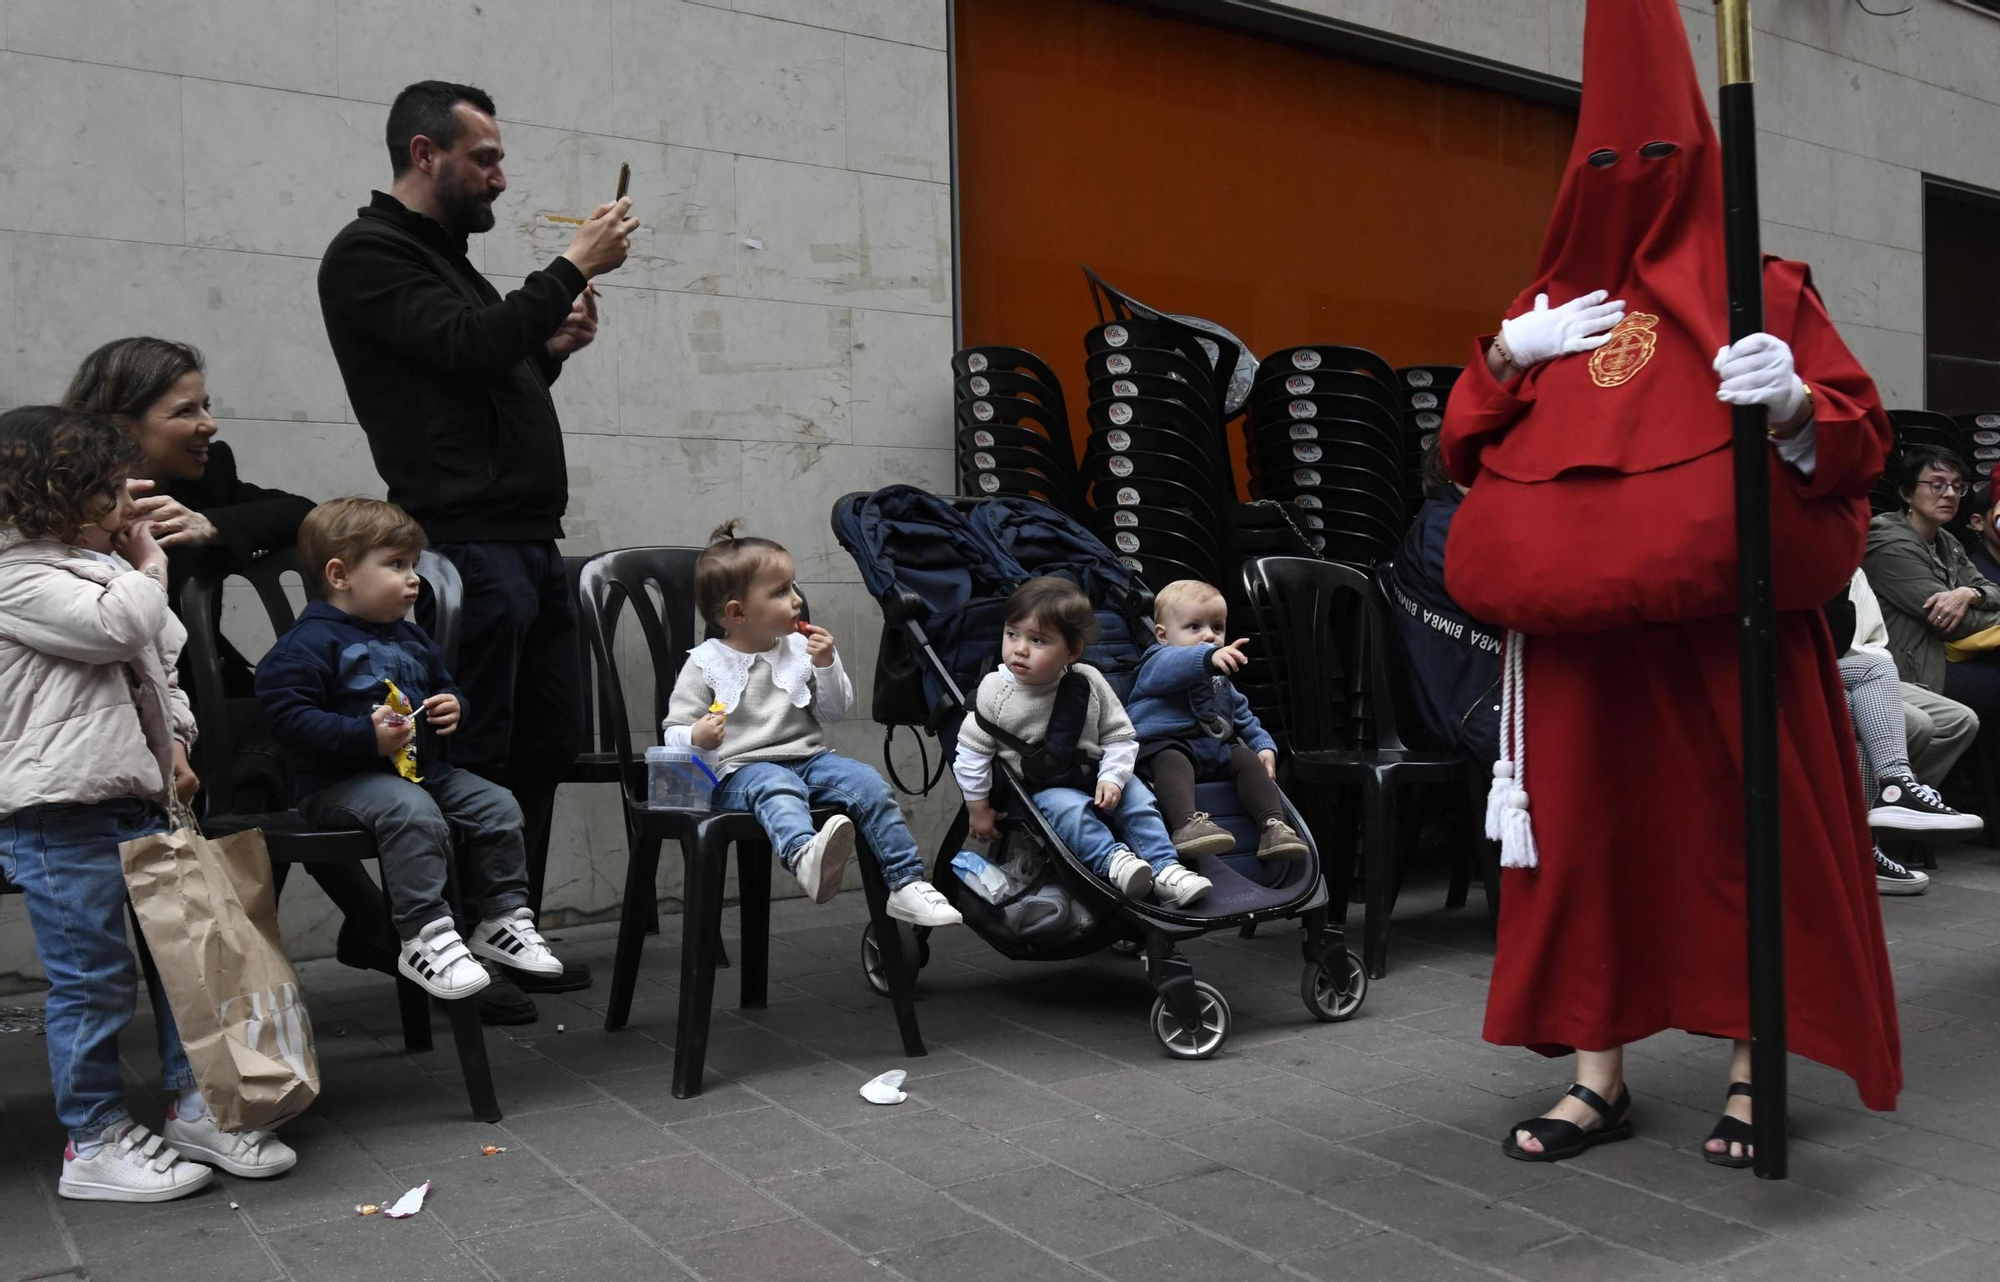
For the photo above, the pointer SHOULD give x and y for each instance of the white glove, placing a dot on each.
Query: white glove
(1577, 326)
(1758, 371)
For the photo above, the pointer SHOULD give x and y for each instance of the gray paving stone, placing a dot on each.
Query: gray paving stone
(1315, 1109)
(738, 1052)
(793, 1251)
(1460, 1223)
(586, 1249)
(1856, 1174)
(1791, 1210)
(1588, 1259)
(590, 1138)
(1387, 1256)
(1036, 1056)
(1147, 1101)
(1943, 1155)
(1781, 1261)
(361, 1249)
(939, 1150)
(985, 1255)
(652, 1094)
(873, 1208)
(767, 1144)
(1454, 1156)
(1063, 1212)
(1251, 1213)
(1184, 1255)
(1285, 1154)
(1637, 1219)
(1110, 1152)
(1959, 1209)
(480, 1194)
(33, 1241)
(341, 1173)
(676, 1198)
(826, 1094)
(1331, 1065)
(1677, 1173)
(586, 1050)
(1978, 1262)
(206, 1235)
(993, 1100)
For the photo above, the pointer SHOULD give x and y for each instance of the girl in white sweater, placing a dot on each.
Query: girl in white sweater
(94, 733)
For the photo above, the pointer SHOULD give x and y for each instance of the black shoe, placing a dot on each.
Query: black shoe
(1901, 803)
(502, 1002)
(360, 949)
(1732, 1130)
(1562, 1139)
(1891, 878)
(574, 975)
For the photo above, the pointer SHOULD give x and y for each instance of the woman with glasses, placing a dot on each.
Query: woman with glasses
(1932, 596)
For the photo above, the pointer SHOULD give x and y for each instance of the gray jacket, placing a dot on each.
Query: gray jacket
(1905, 572)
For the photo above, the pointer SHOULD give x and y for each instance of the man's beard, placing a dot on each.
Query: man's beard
(466, 210)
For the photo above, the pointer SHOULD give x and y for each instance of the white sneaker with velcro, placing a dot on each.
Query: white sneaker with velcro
(437, 962)
(132, 1165)
(921, 904)
(512, 940)
(253, 1155)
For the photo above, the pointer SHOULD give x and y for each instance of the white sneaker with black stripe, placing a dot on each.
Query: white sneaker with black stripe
(1903, 804)
(437, 962)
(512, 940)
(1891, 878)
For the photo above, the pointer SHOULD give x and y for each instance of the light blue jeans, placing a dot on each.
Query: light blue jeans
(782, 793)
(65, 860)
(1092, 836)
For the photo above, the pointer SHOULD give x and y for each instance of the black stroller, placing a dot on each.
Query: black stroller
(942, 569)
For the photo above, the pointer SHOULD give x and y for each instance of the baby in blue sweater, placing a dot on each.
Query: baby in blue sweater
(1194, 726)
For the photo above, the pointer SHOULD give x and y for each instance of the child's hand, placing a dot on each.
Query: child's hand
(983, 821)
(134, 541)
(1270, 760)
(1229, 659)
(706, 733)
(1108, 794)
(186, 785)
(819, 644)
(444, 711)
(393, 730)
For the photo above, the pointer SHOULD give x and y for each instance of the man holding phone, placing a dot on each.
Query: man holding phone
(450, 381)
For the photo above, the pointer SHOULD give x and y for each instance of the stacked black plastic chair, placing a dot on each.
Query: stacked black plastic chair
(1979, 436)
(1326, 435)
(1157, 461)
(1424, 389)
(1012, 428)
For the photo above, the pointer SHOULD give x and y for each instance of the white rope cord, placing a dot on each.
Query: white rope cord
(1507, 820)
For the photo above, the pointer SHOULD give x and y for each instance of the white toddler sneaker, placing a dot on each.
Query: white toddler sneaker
(1132, 875)
(825, 858)
(512, 940)
(437, 961)
(254, 1155)
(1177, 887)
(920, 904)
(132, 1165)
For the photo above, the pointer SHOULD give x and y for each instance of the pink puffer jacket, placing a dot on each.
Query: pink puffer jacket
(90, 706)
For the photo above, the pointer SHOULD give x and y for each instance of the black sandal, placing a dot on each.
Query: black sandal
(1562, 1139)
(1731, 1130)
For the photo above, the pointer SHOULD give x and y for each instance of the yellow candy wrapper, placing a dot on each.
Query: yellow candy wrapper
(406, 756)
(716, 707)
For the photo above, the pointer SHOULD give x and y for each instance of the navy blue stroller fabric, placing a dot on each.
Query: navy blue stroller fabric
(1045, 542)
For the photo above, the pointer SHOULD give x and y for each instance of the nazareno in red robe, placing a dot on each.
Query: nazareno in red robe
(1634, 920)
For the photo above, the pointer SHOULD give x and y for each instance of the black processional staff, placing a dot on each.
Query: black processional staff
(1756, 614)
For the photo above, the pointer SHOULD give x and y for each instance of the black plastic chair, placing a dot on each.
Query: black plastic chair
(625, 581)
(288, 837)
(1338, 712)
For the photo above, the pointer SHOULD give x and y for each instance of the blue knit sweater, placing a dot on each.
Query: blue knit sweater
(1178, 694)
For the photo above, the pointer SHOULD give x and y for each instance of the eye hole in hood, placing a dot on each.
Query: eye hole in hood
(1655, 150)
(1602, 158)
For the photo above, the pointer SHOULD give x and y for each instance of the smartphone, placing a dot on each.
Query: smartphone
(624, 180)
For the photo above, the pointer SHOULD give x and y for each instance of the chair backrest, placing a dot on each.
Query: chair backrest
(226, 723)
(1324, 625)
(596, 713)
(609, 585)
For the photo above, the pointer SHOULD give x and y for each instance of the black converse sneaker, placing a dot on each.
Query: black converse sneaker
(1891, 878)
(1908, 806)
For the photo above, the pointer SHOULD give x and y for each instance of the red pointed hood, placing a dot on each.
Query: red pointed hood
(1639, 214)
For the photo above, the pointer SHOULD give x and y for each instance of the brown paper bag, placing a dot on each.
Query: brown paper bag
(210, 916)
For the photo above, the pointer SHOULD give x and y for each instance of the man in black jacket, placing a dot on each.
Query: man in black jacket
(451, 383)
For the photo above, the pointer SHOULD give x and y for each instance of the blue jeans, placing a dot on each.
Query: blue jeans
(65, 860)
(1092, 836)
(782, 793)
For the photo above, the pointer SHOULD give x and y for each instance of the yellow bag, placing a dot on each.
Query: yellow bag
(1971, 647)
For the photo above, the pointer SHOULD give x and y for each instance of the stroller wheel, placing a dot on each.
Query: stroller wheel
(1208, 1035)
(1335, 997)
(872, 968)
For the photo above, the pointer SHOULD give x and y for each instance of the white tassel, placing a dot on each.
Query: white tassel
(1507, 819)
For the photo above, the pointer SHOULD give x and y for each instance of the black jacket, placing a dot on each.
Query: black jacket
(252, 520)
(1454, 661)
(449, 380)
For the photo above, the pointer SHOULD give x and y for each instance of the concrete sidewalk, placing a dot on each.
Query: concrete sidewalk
(1048, 1137)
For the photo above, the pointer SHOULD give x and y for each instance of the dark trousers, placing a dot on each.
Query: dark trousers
(1175, 775)
(517, 664)
(1976, 684)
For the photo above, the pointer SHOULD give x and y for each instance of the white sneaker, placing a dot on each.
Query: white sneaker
(1177, 887)
(512, 940)
(1132, 875)
(437, 961)
(254, 1155)
(825, 858)
(134, 1165)
(921, 904)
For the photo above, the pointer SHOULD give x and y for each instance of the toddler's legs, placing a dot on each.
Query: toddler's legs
(832, 779)
(1173, 785)
(1137, 820)
(1082, 829)
(1255, 787)
(779, 798)
(494, 865)
(411, 836)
